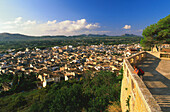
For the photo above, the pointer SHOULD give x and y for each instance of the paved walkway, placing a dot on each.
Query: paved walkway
(157, 79)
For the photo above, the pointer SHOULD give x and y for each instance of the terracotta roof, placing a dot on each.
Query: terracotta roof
(165, 50)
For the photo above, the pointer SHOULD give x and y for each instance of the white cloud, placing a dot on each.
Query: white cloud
(32, 27)
(127, 27)
(29, 22)
(66, 27)
(51, 22)
(91, 26)
(97, 32)
(17, 20)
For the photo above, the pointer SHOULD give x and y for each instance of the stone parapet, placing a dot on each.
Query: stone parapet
(161, 55)
(135, 97)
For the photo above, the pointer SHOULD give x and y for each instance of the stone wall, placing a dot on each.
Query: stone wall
(135, 97)
(161, 55)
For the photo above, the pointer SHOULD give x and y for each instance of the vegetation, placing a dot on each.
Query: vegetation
(128, 103)
(5, 79)
(95, 94)
(157, 33)
(20, 82)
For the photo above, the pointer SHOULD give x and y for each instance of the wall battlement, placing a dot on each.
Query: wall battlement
(135, 96)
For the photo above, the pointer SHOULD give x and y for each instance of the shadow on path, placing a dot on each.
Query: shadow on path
(157, 79)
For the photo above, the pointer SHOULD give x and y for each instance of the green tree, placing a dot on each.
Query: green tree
(67, 99)
(15, 82)
(101, 89)
(157, 33)
(93, 94)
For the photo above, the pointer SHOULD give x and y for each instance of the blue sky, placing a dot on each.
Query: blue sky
(73, 17)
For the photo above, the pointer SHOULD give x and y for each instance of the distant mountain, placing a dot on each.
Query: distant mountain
(10, 37)
(130, 35)
(96, 35)
(90, 35)
(7, 36)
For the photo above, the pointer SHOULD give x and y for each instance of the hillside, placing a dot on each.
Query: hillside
(92, 95)
(20, 42)
(11, 37)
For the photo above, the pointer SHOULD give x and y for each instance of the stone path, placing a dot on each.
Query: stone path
(157, 79)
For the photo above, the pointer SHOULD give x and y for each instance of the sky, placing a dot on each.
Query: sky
(74, 17)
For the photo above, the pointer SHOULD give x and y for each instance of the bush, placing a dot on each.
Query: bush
(91, 94)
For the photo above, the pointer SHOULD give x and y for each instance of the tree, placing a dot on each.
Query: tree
(91, 95)
(15, 82)
(67, 99)
(157, 33)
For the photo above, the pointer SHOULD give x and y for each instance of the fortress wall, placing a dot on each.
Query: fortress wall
(133, 88)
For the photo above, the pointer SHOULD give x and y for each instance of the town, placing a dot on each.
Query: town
(63, 63)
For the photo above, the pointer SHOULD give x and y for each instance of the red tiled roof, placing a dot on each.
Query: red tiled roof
(165, 50)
